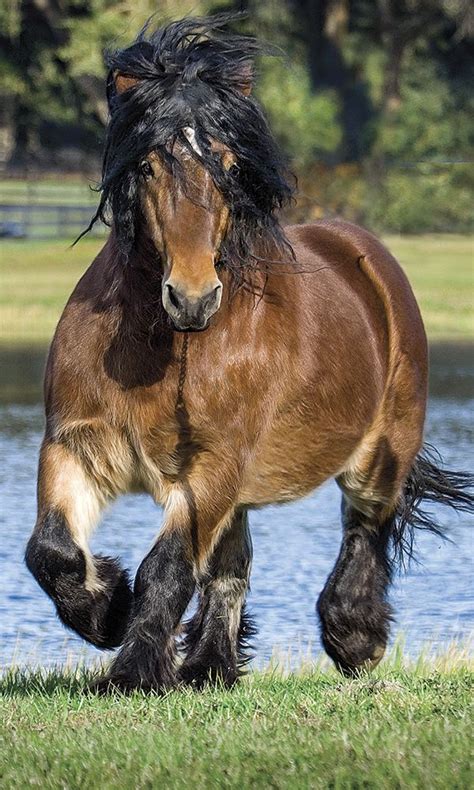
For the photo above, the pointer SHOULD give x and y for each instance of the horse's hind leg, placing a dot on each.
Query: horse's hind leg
(353, 608)
(92, 594)
(217, 634)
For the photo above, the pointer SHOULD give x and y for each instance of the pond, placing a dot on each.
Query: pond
(295, 546)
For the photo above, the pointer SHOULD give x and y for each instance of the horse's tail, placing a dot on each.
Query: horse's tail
(428, 482)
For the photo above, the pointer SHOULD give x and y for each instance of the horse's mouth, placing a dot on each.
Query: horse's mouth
(191, 327)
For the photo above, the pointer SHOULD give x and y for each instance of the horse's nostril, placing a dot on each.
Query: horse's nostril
(173, 297)
(217, 291)
(191, 312)
(212, 299)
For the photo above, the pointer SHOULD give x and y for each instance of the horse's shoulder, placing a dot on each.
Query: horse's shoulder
(337, 242)
(81, 336)
(90, 304)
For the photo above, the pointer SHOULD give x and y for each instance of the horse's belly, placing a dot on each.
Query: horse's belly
(290, 466)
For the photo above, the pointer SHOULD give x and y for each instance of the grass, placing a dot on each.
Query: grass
(47, 191)
(403, 727)
(37, 278)
(441, 271)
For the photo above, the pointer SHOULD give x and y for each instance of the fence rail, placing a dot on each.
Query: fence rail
(42, 221)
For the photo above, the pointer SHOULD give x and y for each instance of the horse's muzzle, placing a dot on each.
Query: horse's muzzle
(190, 314)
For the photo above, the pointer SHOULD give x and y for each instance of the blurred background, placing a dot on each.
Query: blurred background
(372, 101)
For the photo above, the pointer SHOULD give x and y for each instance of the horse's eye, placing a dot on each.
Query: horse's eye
(146, 169)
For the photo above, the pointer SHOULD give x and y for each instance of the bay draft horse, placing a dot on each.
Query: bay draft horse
(220, 363)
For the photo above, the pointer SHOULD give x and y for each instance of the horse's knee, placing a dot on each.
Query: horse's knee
(92, 594)
(51, 552)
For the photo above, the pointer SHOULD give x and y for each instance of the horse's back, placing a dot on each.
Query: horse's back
(346, 249)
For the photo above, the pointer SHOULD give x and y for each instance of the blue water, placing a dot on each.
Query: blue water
(295, 547)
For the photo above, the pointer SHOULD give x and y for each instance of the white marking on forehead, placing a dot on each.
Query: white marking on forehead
(190, 136)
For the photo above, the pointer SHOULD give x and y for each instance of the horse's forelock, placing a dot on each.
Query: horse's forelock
(192, 75)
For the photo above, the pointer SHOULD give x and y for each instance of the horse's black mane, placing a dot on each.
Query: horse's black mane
(191, 73)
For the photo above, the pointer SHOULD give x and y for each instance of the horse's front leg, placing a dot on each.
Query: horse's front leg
(91, 593)
(164, 585)
(217, 634)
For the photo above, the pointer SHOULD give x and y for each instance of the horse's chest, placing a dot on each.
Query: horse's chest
(169, 443)
(174, 431)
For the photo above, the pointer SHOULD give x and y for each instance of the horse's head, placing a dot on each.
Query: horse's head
(190, 163)
(187, 218)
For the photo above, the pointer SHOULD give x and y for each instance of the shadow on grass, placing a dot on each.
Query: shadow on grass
(80, 682)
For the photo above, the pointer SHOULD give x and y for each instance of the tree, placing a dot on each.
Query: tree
(52, 59)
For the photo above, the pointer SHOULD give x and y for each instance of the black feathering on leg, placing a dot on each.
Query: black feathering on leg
(100, 615)
(248, 629)
(216, 639)
(353, 608)
(163, 587)
(210, 655)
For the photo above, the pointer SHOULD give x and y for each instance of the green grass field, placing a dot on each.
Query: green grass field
(48, 191)
(399, 728)
(37, 277)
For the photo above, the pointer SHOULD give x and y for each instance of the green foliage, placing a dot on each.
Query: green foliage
(433, 122)
(11, 80)
(327, 100)
(433, 198)
(305, 124)
(89, 36)
(10, 18)
(111, 25)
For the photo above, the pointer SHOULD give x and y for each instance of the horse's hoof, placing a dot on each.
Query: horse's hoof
(354, 670)
(199, 676)
(376, 657)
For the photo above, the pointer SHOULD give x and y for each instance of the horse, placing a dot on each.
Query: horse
(220, 362)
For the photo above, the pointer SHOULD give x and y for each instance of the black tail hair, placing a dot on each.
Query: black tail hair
(428, 481)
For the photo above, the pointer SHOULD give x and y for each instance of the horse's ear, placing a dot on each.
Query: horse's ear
(123, 81)
(244, 81)
(118, 83)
